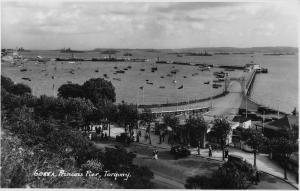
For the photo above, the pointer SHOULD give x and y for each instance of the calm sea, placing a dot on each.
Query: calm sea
(277, 89)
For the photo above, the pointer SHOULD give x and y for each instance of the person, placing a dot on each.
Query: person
(226, 152)
(105, 136)
(209, 151)
(90, 136)
(153, 154)
(257, 176)
(253, 176)
(198, 147)
(163, 136)
(102, 135)
(156, 154)
(138, 136)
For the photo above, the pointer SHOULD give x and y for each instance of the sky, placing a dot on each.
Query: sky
(94, 24)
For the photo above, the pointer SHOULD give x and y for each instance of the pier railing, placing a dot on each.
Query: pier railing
(250, 83)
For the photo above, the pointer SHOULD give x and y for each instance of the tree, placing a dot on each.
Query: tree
(220, 130)
(6, 83)
(231, 175)
(70, 90)
(256, 141)
(196, 127)
(119, 160)
(98, 90)
(283, 147)
(147, 117)
(20, 89)
(172, 122)
(198, 182)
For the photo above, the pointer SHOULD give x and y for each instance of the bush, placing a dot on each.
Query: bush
(198, 182)
(93, 166)
(20, 89)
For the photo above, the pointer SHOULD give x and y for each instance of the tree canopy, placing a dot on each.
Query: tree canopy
(197, 127)
(99, 90)
(70, 90)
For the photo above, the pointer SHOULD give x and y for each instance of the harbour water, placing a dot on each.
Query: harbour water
(277, 89)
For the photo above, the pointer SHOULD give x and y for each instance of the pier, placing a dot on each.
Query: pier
(249, 84)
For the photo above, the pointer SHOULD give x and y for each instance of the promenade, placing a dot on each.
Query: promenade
(226, 105)
(263, 162)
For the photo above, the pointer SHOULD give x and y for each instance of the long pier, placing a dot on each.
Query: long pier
(249, 84)
(247, 92)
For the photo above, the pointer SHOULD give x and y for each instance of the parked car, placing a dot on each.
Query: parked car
(180, 151)
(124, 138)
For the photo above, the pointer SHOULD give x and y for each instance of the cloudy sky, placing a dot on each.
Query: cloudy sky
(88, 25)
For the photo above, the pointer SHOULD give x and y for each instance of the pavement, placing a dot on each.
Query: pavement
(263, 162)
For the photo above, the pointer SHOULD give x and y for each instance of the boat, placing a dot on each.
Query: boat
(264, 70)
(162, 87)
(118, 79)
(195, 74)
(162, 77)
(127, 54)
(206, 82)
(142, 69)
(161, 61)
(198, 54)
(216, 85)
(23, 70)
(105, 75)
(115, 67)
(174, 71)
(69, 82)
(96, 70)
(151, 83)
(28, 79)
(184, 76)
(120, 71)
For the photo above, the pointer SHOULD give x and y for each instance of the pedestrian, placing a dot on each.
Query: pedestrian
(102, 135)
(105, 136)
(253, 177)
(163, 136)
(156, 154)
(257, 176)
(153, 154)
(209, 151)
(226, 152)
(198, 148)
(138, 136)
(90, 136)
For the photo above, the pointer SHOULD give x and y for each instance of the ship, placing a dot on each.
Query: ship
(217, 85)
(198, 54)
